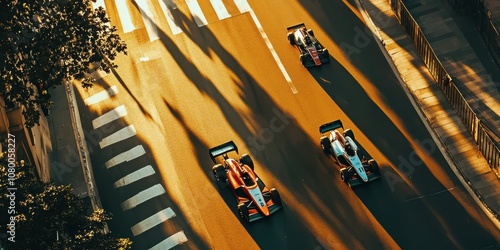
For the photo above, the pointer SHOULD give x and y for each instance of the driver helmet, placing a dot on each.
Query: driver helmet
(348, 149)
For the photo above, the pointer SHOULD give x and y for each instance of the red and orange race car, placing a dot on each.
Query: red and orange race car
(255, 200)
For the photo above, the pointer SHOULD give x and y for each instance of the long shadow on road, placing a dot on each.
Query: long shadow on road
(419, 199)
(299, 168)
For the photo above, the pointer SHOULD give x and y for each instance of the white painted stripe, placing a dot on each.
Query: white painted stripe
(196, 12)
(126, 156)
(102, 95)
(99, 74)
(143, 196)
(135, 176)
(243, 6)
(98, 3)
(172, 241)
(166, 5)
(110, 116)
(149, 19)
(152, 221)
(117, 136)
(220, 9)
(125, 18)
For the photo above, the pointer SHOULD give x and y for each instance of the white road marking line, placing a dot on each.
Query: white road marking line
(149, 19)
(110, 116)
(126, 156)
(152, 221)
(143, 196)
(427, 195)
(220, 9)
(243, 6)
(166, 5)
(134, 176)
(196, 12)
(103, 95)
(123, 13)
(172, 241)
(117, 136)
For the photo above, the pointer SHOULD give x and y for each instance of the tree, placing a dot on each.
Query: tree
(47, 216)
(45, 42)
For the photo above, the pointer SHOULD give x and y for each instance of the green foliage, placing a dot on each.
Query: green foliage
(44, 42)
(45, 212)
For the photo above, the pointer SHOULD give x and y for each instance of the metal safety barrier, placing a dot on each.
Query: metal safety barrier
(482, 136)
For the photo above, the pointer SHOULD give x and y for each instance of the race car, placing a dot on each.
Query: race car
(312, 53)
(255, 200)
(355, 169)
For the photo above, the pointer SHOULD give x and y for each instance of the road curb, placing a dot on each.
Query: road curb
(445, 151)
(82, 149)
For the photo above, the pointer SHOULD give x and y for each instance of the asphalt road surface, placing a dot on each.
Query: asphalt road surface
(226, 71)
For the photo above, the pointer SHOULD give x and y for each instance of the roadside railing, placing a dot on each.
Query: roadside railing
(480, 133)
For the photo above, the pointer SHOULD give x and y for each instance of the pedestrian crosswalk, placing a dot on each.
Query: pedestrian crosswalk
(142, 196)
(169, 13)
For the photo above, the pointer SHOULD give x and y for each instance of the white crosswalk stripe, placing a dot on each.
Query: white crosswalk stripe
(242, 5)
(101, 96)
(196, 12)
(118, 136)
(149, 19)
(143, 196)
(126, 156)
(166, 6)
(220, 9)
(135, 176)
(152, 221)
(124, 13)
(172, 241)
(110, 116)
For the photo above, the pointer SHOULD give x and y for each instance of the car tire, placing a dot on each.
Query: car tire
(243, 211)
(247, 160)
(345, 175)
(310, 32)
(220, 175)
(374, 166)
(276, 196)
(291, 39)
(325, 144)
(348, 132)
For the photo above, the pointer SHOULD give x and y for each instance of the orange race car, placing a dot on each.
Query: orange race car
(255, 200)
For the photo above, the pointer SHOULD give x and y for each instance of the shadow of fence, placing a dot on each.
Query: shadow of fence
(481, 134)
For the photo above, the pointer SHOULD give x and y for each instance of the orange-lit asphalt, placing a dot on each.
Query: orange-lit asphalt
(220, 82)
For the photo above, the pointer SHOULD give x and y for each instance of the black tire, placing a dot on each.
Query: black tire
(220, 175)
(325, 144)
(243, 211)
(374, 166)
(348, 132)
(291, 39)
(303, 59)
(247, 160)
(345, 175)
(310, 32)
(276, 196)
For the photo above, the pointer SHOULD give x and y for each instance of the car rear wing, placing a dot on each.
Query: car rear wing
(222, 149)
(330, 126)
(295, 27)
